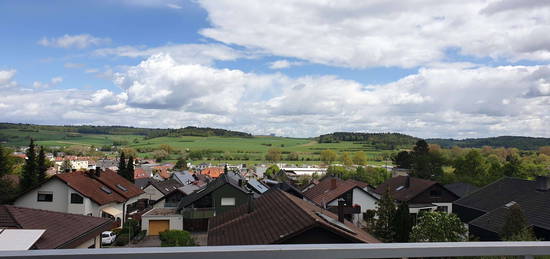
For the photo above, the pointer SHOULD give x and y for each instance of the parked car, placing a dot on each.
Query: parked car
(108, 237)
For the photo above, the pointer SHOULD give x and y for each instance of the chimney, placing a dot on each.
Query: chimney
(543, 183)
(333, 183)
(407, 181)
(341, 203)
(250, 202)
(98, 171)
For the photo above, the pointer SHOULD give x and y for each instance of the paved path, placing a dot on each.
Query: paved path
(147, 241)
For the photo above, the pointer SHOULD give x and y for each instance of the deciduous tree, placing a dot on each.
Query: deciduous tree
(273, 155)
(328, 156)
(359, 158)
(435, 226)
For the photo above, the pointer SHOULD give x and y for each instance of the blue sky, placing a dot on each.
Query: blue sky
(294, 68)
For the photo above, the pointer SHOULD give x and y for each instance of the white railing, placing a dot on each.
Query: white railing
(329, 251)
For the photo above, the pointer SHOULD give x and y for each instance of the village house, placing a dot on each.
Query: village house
(95, 193)
(49, 229)
(155, 189)
(355, 194)
(485, 210)
(278, 217)
(419, 194)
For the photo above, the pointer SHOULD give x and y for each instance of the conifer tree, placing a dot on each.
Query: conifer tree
(122, 165)
(29, 176)
(402, 223)
(42, 167)
(3, 162)
(516, 226)
(130, 169)
(383, 228)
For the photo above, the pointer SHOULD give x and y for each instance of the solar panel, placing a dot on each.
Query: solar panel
(334, 222)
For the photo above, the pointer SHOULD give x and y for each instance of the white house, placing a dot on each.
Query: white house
(99, 194)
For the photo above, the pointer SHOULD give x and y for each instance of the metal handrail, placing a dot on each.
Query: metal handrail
(323, 251)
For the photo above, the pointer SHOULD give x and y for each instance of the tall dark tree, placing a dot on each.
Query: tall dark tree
(516, 227)
(3, 162)
(383, 228)
(426, 164)
(403, 160)
(29, 176)
(122, 164)
(130, 169)
(42, 166)
(402, 223)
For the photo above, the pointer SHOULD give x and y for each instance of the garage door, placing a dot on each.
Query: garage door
(157, 226)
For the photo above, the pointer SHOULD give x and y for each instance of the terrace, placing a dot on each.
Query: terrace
(327, 251)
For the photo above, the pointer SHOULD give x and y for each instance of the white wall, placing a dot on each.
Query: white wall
(361, 198)
(96, 242)
(60, 197)
(152, 193)
(446, 204)
(160, 204)
(176, 221)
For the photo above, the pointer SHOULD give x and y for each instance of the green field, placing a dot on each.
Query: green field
(234, 149)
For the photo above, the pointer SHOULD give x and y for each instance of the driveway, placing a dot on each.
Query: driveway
(147, 241)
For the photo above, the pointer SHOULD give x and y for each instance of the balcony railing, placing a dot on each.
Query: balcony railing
(198, 213)
(327, 251)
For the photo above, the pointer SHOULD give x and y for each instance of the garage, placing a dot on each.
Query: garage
(161, 219)
(157, 226)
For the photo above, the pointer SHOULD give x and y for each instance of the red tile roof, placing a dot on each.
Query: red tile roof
(63, 230)
(416, 186)
(213, 172)
(140, 173)
(91, 187)
(324, 192)
(277, 217)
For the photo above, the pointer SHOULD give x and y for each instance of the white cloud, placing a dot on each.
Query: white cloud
(73, 65)
(6, 77)
(53, 82)
(381, 33)
(173, 6)
(283, 63)
(73, 41)
(183, 53)
(439, 101)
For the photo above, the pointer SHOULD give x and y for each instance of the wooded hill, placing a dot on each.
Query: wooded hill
(524, 143)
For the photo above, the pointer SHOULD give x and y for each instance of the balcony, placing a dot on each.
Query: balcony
(326, 251)
(198, 213)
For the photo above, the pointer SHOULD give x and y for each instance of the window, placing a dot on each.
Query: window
(121, 187)
(435, 193)
(76, 198)
(45, 196)
(228, 201)
(442, 208)
(106, 190)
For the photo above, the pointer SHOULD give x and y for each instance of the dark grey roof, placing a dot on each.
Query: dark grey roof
(257, 186)
(494, 197)
(142, 182)
(497, 194)
(166, 186)
(461, 189)
(212, 186)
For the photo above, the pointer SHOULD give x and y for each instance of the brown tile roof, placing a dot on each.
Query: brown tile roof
(63, 230)
(213, 172)
(416, 186)
(323, 193)
(161, 212)
(277, 216)
(92, 187)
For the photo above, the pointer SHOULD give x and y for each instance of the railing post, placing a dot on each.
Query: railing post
(528, 257)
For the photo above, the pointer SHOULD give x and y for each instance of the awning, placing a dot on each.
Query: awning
(19, 239)
(112, 211)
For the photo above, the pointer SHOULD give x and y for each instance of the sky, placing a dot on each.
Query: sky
(428, 68)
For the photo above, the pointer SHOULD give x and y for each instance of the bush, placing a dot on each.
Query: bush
(176, 238)
(122, 239)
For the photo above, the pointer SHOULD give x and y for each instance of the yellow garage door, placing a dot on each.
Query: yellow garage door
(157, 226)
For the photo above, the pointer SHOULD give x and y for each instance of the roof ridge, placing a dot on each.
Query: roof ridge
(55, 212)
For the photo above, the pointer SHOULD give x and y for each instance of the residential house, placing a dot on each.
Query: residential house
(358, 199)
(58, 230)
(140, 173)
(485, 210)
(419, 194)
(184, 177)
(278, 217)
(95, 193)
(158, 220)
(155, 190)
(212, 172)
(219, 196)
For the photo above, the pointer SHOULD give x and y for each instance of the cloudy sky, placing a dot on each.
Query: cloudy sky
(429, 68)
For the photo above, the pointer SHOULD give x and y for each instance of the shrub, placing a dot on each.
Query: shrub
(176, 238)
(122, 239)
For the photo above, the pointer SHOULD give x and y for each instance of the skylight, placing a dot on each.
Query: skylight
(510, 204)
(106, 190)
(400, 188)
(121, 187)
